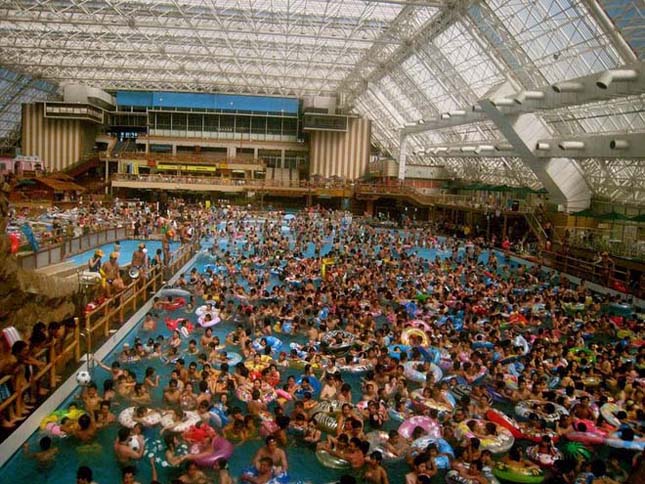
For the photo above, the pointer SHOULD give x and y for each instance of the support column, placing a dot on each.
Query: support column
(403, 145)
(174, 149)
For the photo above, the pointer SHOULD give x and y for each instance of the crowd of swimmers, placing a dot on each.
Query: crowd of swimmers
(393, 326)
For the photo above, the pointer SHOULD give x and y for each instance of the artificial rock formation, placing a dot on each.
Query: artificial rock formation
(25, 296)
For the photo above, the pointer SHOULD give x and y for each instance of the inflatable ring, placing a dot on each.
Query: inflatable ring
(518, 473)
(244, 394)
(201, 310)
(377, 440)
(315, 385)
(281, 478)
(420, 402)
(328, 406)
(550, 412)
(441, 461)
(207, 324)
(325, 422)
(157, 450)
(608, 412)
(614, 440)
(453, 477)
(271, 341)
(174, 292)
(173, 305)
(414, 332)
(509, 423)
(221, 449)
(356, 368)
(543, 460)
(191, 418)
(173, 324)
(500, 443)
(431, 427)
(265, 361)
(578, 354)
(411, 372)
(126, 418)
(329, 340)
(331, 461)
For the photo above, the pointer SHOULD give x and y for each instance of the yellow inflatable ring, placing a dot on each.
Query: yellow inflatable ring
(416, 332)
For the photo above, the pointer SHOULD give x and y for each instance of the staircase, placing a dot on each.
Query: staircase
(86, 163)
(536, 227)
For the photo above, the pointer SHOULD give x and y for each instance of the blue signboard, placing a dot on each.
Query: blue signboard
(222, 102)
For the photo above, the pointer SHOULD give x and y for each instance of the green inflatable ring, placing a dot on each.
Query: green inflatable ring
(331, 461)
(529, 475)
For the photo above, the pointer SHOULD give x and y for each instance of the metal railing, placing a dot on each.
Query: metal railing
(182, 158)
(601, 240)
(58, 252)
(585, 269)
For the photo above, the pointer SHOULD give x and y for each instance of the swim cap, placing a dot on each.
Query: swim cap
(98, 252)
(114, 255)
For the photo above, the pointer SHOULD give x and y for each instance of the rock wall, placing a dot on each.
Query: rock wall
(25, 296)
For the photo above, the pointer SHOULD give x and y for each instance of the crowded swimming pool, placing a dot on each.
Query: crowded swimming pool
(463, 323)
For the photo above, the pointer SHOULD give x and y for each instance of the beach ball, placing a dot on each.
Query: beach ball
(83, 377)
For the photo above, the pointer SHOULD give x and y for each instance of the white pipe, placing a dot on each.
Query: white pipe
(445, 116)
(440, 149)
(504, 147)
(421, 121)
(607, 77)
(468, 149)
(477, 108)
(528, 96)
(543, 146)
(571, 145)
(567, 87)
(481, 148)
(502, 101)
(458, 112)
(619, 144)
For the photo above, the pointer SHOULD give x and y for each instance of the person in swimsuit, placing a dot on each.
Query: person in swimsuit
(272, 451)
(94, 264)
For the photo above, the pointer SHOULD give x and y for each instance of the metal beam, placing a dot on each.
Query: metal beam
(379, 61)
(562, 177)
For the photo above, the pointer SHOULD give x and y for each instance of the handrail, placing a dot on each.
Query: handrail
(600, 241)
(536, 226)
(57, 252)
(180, 158)
(70, 349)
(96, 321)
(586, 269)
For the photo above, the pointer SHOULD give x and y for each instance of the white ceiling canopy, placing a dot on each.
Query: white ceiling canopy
(397, 62)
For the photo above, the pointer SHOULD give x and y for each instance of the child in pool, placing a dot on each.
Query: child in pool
(46, 455)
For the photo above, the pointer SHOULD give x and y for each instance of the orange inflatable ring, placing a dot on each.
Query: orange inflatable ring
(173, 305)
(173, 324)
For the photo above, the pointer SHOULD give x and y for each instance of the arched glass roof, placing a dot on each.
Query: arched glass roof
(397, 62)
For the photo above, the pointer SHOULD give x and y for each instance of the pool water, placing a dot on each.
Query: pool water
(128, 247)
(99, 455)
